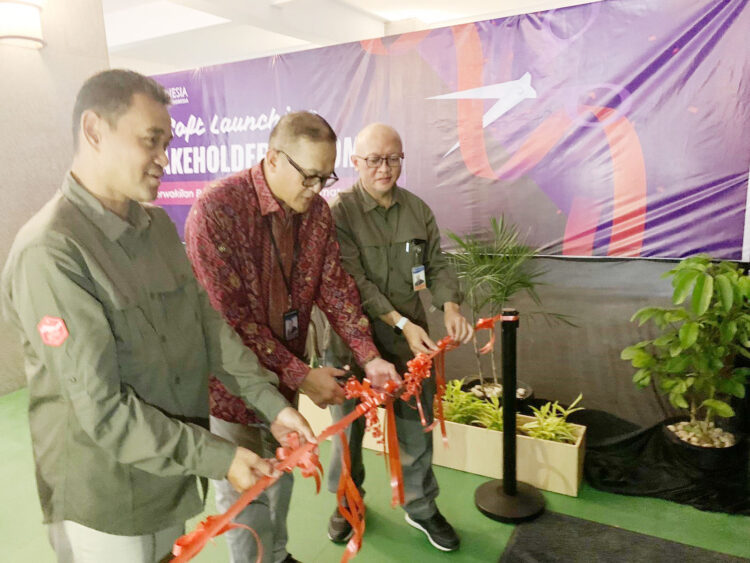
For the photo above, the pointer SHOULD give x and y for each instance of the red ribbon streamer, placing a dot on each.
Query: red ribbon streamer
(394, 457)
(186, 542)
(351, 505)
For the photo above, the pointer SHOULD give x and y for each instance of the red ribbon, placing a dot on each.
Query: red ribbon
(188, 546)
(305, 456)
(489, 324)
(439, 417)
(372, 398)
(394, 457)
(309, 465)
(351, 505)
(200, 536)
(418, 371)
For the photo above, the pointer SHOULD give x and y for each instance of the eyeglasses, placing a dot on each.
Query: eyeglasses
(312, 180)
(375, 160)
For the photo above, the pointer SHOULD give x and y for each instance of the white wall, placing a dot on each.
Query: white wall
(37, 91)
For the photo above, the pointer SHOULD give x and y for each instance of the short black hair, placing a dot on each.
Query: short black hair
(109, 93)
(301, 124)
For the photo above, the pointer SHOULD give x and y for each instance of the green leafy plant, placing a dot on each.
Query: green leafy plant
(550, 422)
(459, 406)
(692, 360)
(490, 414)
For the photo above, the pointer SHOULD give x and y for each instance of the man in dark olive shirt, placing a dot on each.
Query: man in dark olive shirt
(119, 340)
(390, 244)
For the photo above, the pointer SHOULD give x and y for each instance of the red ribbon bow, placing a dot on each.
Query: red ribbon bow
(309, 463)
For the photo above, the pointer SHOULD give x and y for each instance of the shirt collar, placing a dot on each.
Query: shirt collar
(368, 202)
(111, 224)
(268, 203)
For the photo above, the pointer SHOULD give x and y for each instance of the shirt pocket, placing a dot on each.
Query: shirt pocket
(179, 324)
(374, 258)
(133, 333)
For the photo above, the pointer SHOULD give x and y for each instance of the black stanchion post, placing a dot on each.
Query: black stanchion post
(509, 329)
(506, 499)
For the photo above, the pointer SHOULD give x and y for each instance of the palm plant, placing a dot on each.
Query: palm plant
(492, 268)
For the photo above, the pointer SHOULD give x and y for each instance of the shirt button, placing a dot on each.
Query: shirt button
(177, 380)
(163, 338)
(73, 379)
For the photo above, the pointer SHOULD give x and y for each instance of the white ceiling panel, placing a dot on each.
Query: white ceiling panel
(154, 19)
(171, 35)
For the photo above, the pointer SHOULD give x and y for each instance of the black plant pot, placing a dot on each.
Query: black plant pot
(522, 401)
(706, 459)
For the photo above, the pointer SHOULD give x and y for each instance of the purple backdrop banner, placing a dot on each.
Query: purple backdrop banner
(618, 128)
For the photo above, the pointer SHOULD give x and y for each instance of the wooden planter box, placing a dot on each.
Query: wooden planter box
(551, 466)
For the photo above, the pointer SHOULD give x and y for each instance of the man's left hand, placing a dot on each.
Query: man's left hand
(378, 371)
(456, 325)
(290, 420)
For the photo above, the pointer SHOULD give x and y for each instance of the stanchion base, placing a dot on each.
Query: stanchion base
(492, 501)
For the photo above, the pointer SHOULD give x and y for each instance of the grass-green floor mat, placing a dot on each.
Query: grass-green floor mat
(388, 537)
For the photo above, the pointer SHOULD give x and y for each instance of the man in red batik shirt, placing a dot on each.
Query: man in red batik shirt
(263, 244)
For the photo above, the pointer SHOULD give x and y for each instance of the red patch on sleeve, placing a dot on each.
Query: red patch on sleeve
(53, 331)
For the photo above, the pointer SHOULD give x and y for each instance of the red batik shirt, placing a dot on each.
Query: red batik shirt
(229, 244)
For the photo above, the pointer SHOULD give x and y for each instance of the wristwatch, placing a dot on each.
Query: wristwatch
(398, 328)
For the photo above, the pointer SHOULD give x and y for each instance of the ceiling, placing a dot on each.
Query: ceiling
(158, 36)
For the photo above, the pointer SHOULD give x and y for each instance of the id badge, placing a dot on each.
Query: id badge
(291, 324)
(418, 279)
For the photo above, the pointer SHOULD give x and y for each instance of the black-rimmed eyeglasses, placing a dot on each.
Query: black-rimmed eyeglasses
(375, 160)
(312, 180)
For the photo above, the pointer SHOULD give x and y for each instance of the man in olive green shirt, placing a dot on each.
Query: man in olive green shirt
(390, 244)
(119, 341)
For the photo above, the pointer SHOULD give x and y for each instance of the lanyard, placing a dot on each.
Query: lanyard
(287, 282)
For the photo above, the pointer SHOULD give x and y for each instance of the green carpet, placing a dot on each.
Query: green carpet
(388, 537)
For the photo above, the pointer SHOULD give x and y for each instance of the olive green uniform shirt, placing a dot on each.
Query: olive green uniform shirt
(374, 251)
(115, 410)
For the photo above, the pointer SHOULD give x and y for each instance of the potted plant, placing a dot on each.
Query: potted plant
(692, 360)
(492, 269)
(549, 449)
(550, 421)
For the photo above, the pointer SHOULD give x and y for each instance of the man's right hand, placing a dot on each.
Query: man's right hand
(322, 387)
(247, 467)
(418, 339)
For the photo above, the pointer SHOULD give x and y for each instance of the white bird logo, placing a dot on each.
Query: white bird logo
(508, 95)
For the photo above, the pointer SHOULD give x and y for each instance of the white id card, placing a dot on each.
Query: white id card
(418, 279)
